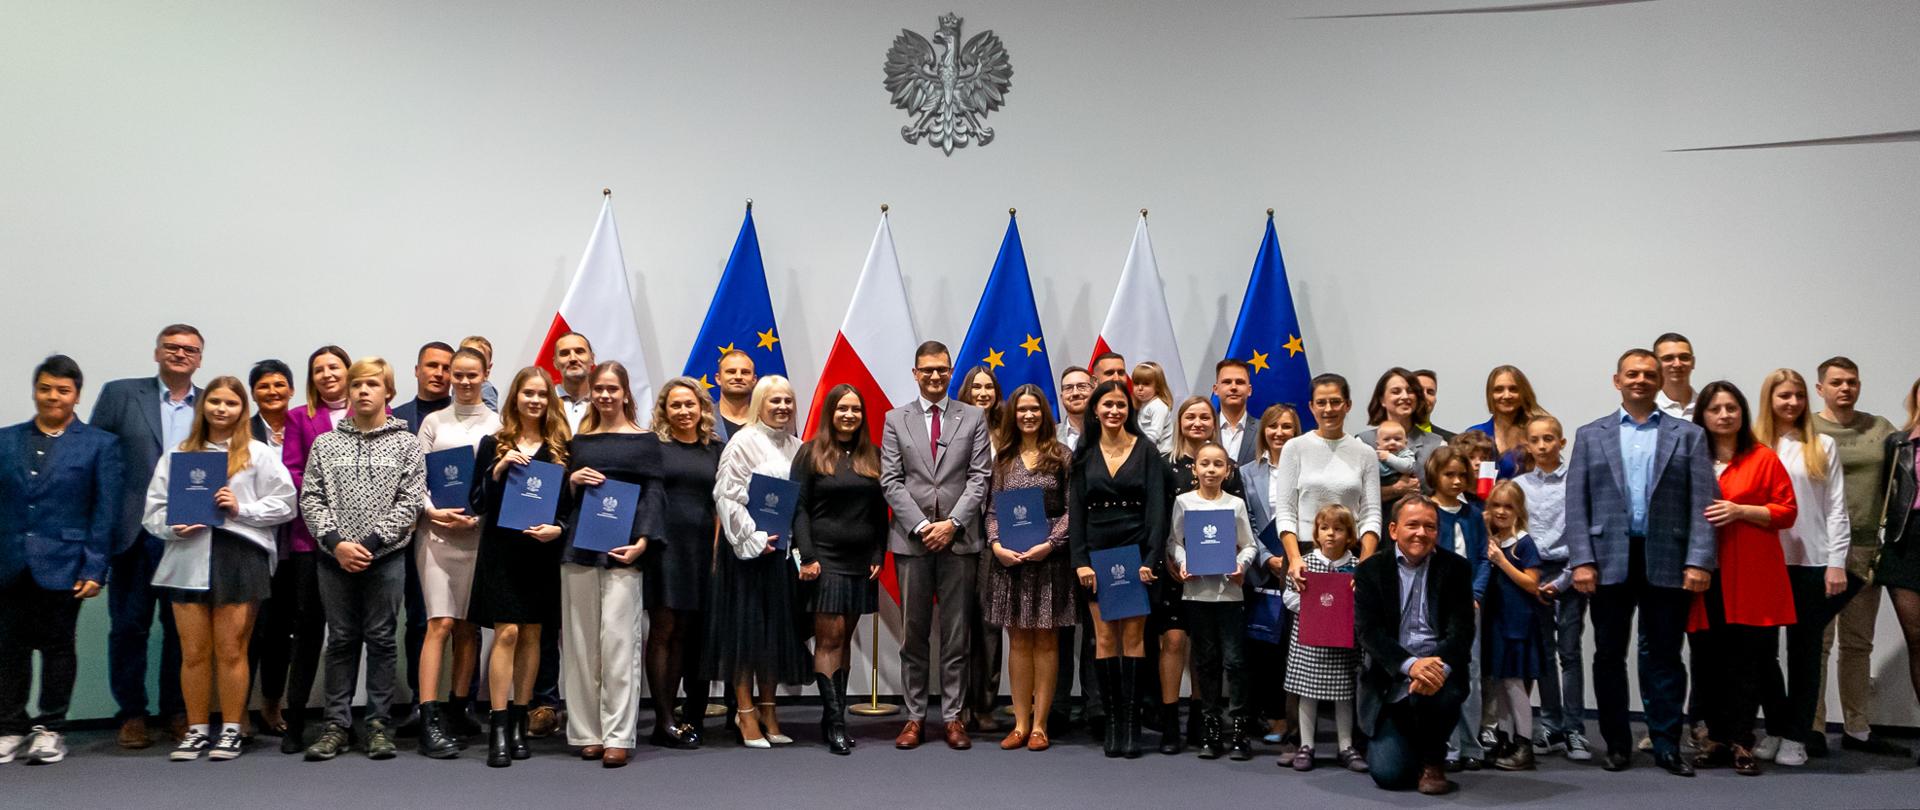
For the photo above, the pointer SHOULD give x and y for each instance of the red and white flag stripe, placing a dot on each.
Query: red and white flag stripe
(1139, 325)
(599, 305)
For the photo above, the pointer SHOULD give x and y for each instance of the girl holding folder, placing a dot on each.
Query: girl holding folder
(1317, 673)
(1214, 604)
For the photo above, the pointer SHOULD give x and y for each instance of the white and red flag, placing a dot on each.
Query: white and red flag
(599, 305)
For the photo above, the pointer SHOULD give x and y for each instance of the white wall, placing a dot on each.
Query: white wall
(1453, 191)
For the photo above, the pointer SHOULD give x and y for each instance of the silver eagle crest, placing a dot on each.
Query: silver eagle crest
(947, 87)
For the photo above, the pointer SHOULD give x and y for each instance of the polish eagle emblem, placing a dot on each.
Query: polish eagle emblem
(948, 88)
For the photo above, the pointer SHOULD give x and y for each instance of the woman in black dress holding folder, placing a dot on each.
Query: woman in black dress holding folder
(678, 564)
(1029, 592)
(516, 580)
(1119, 496)
(840, 531)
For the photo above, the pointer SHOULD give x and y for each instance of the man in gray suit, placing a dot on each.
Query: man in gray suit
(934, 467)
(149, 415)
(1638, 538)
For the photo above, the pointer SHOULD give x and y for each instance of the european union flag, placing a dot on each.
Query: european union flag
(1267, 336)
(741, 315)
(1005, 333)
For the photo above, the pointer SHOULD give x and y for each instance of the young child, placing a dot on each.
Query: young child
(1155, 403)
(488, 394)
(1512, 640)
(1215, 612)
(1463, 532)
(1483, 460)
(1562, 694)
(1315, 674)
(1396, 457)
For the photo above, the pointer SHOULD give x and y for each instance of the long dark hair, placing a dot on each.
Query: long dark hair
(1377, 410)
(823, 450)
(1743, 440)
(591, 422)
(1000, 396)
(1007, 436)
(1090, 429)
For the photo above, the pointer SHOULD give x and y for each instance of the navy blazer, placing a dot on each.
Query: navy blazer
(1376, 622)
(130, 409)
(59, 525)
(1683, 486)
(1473, 524)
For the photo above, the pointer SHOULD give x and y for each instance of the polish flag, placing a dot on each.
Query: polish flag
(599, 305)
(874, 352)
(1138, 324)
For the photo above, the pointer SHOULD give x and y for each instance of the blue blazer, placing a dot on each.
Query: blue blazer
(130, 410)
(59, 525)
(1473, 525)
(1683, 485)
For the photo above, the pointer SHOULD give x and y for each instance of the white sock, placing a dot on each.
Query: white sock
(200, 727)
(226, 727)
(1343, 722)
(1309, 720)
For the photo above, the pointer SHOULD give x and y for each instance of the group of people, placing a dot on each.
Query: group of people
(1703, 518)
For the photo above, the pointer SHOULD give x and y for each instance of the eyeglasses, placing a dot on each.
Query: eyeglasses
(1069, 388)
(181, 349)
(933, 371)
(1328, 403)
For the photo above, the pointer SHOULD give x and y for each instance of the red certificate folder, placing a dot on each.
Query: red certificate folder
(1326, 611)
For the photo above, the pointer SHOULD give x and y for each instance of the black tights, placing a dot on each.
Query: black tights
(1906, 607)
(832, 632)
(668, 632)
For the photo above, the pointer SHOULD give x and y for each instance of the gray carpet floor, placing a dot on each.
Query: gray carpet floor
(1071, 775)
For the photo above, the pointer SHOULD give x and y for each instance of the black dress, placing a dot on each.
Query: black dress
(678, 564)
(1129, 507)
(840, 523)
(516, 579)
(632, 458)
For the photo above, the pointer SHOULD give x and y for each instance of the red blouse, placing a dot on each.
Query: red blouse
(1753, 569)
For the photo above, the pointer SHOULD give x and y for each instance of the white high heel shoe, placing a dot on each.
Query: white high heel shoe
(756, 743)
(776, 739)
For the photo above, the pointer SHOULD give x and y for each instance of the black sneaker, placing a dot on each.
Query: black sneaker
(228, 746)
(379, 740)
(332, 741)
(191, 746)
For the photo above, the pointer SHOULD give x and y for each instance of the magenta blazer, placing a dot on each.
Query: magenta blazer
(301, 432)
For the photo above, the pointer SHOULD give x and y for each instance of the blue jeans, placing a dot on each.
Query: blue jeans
(1408, 736)
(1563, 701)
(130, 608)
(1466, 731)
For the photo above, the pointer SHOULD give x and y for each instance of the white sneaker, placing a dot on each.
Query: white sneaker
(46, 747)
(1645, 743)
(1791, 754)
(10, 745)
(1767, 748)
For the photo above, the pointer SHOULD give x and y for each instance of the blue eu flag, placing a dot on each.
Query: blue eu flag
(1268, 338)
(740, 317)
(1005, 333)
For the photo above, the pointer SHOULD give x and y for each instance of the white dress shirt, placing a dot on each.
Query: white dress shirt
(1232, 434)
(1822, 532)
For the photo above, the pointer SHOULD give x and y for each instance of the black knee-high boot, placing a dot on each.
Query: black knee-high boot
(833, 724)
(840, 691)
(1107, 672)
(1129, 707)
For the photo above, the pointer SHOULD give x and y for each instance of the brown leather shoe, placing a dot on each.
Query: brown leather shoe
(1433, 781)
(1014, 739)
(1037, 741)
(593, 751)
(957, 738)
(543, 721)
(177, 727)
(909, 736)
(133, 734)
(614, 758)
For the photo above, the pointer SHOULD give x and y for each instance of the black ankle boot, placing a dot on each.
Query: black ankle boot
(434, 740)
(293, 740)
(1170, 739)
(1128, 707)
(840, 692)
(456, 716)
(517, 731)
(833, 724)
(499, 739)
(1107, 672)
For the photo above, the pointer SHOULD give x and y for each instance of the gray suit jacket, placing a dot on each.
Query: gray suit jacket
(1678, 534)
(1255, 477)
(130, 409)
(919, 487)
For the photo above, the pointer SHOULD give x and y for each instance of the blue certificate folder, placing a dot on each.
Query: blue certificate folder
(533, 494)
(1116, 583)
(1270, 537)
(191, 481)
(450, 477)
(1210, 539)
(1022, 514)
(606, 516)
(771, 501)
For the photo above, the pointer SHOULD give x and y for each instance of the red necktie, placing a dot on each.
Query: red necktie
(934, 451)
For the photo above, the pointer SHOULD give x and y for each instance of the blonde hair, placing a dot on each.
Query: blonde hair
(554, 433)
(1526, 464)
(1183, 446)
(239, 444)
(1509, 489)
(1770, 434)
(663, 427)
(764, 390)
(484, 345)
(1523, 413)
(371, 367)
(1913, 407)
(1269, 418)
(1150, 373)
(1338, 516)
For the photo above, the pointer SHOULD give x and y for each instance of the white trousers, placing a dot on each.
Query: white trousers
(599, 661)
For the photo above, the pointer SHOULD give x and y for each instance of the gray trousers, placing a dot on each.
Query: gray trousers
(949, 578)
(1563, 701)
(362, 608)
(1466, 733)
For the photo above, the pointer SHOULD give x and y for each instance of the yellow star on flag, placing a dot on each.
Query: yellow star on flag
(1294, 346)
(767, 339)
(726, 348)
(1259, 362)
(704, 385)
(1032, 345)
(995, 359)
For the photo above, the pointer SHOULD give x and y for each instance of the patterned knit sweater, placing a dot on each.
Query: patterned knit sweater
(366, 487)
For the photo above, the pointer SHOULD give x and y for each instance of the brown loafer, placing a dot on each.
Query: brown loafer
(593, 751)
(614, 758)
(1014, 739)
(543, 721)
(1037, 741)
(957, 738)
(909, 736)
(1433, 781)
(133, 734)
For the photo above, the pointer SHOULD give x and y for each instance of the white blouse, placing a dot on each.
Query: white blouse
(1314, 472)
(1820, 536)
(1156, 424)
(755, 449)
(263, 493)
